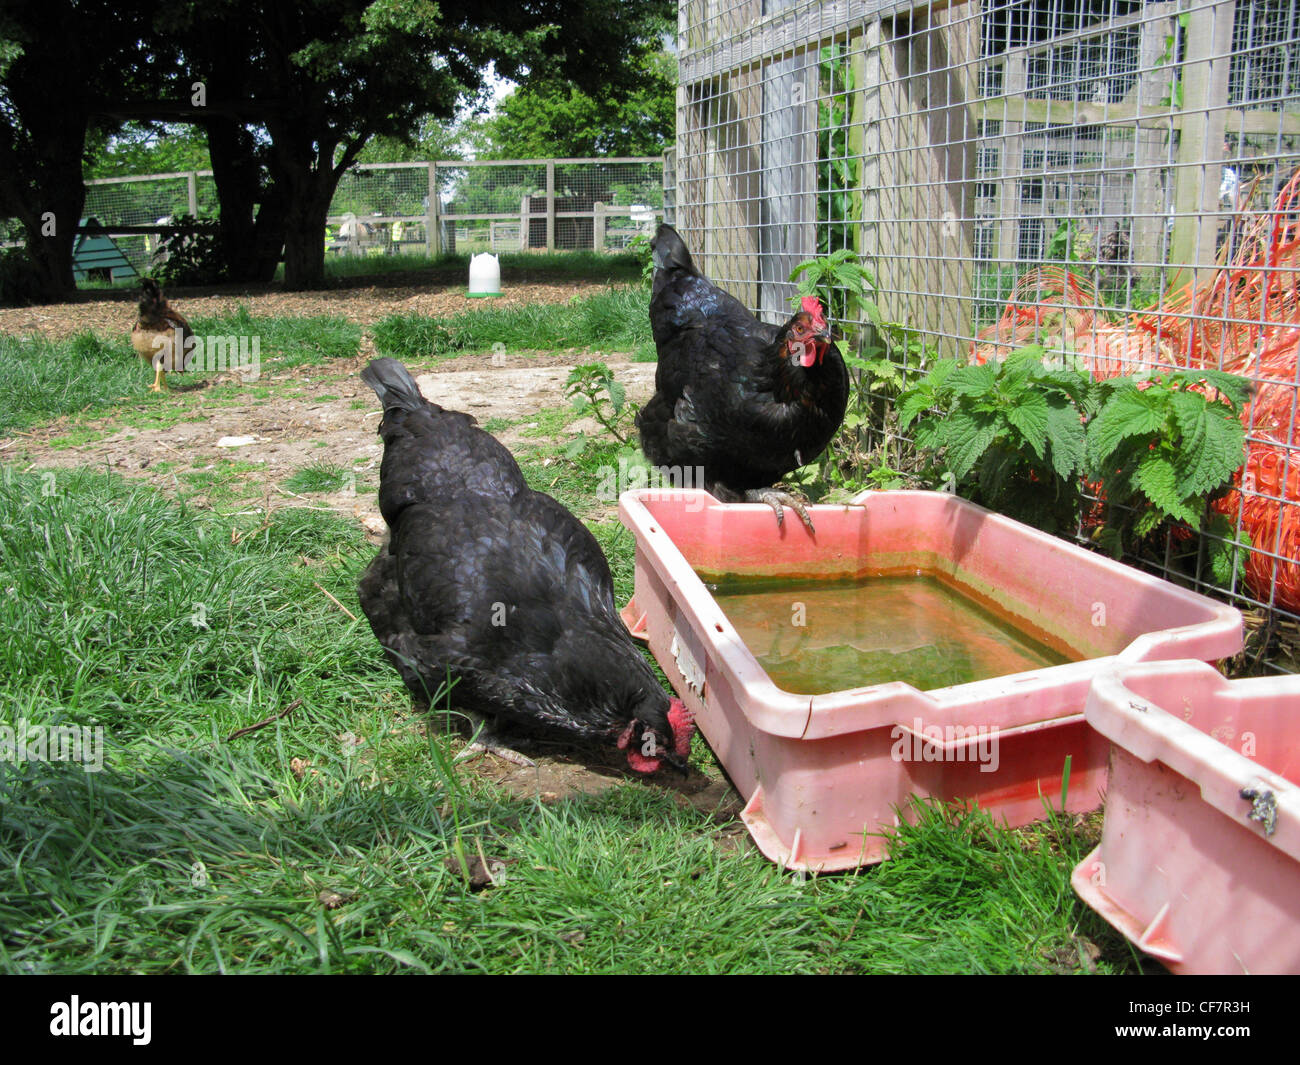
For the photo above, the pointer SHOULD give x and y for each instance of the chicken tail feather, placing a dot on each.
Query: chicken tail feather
(669, 251)
(394, 386)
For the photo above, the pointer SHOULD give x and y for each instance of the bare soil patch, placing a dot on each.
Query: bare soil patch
(112, 312)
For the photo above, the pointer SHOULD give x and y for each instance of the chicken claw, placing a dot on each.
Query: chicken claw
(776, 499)
(478, 747)
(485, 741)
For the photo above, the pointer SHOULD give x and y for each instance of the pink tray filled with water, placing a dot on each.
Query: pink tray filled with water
(915, 645)
(1199, 861)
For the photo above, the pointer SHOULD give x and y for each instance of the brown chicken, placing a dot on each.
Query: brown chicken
(160, 334)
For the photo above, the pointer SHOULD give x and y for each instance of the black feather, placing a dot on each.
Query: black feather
(728, 400)
(495, 585)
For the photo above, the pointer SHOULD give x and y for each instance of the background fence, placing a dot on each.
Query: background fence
(430, 208)
(1108, 178)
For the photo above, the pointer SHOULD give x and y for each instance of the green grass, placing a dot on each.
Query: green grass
(318, 477)
(288, 342)
(517, 267)
(319, 843)
(42, 379)
(617, 320)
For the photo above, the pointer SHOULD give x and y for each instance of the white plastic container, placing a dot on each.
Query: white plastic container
(484, 276)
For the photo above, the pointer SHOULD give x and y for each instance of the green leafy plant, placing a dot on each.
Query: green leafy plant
(1164, 445)
(840, 281)
(1012, 434)
(193, 255)
(640, 247)
(593, 389)
(1021, 437)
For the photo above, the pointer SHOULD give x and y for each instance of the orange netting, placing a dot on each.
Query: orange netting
(1245, 319)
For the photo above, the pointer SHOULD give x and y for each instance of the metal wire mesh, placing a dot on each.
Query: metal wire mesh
(387, 209)
(1108, 178)
(556, 205)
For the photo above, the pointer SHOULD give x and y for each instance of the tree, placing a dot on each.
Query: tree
(288, 93)
(321, 80)
(145, 148)
(49, 79)
(556, 118)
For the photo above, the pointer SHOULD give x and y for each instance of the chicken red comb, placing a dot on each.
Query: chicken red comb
(683, 723)
(812, 306)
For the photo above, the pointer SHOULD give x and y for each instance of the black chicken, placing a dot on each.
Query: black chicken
(741, 400)
(502, 589)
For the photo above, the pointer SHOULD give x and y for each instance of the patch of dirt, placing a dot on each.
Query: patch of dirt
(115, 312)
(289, 433)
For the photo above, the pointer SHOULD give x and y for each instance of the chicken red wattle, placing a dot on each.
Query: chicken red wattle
(644, 759)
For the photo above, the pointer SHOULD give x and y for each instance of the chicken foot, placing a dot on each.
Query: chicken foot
(486, 741)
(777, 498)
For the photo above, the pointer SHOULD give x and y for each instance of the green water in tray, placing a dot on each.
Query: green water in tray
(814, 637)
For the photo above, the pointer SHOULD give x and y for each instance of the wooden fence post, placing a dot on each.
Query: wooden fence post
(550, 205)
(1198, 172)
(432, 238)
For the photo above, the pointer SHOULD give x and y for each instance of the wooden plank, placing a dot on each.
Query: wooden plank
(1151, 142)
(1198, 169)
(1131, 113)
(786, 32)
(919, 172)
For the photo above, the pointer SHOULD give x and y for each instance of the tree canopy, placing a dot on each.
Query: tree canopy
(556, 118)
(288, 94)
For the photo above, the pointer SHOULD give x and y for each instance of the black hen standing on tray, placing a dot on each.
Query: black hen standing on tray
(502, 589)
(745, 401)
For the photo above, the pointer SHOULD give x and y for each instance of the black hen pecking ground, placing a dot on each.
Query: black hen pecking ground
(502, 589)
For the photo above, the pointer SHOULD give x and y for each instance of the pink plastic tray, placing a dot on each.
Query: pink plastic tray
(1199, 862)
(823, 774)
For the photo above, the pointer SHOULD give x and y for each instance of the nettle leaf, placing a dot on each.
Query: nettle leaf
(911, 403)
(1221, 456)
(617, 393)
(973, 380)
(1227, 556)
(942, 371)
(1029, 416)
(1158, 480)
(1128, 413)
(968, 438)
(1237, 389)
(1066, 433)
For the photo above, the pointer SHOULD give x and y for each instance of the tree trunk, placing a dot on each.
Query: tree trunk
(252, 221)
(307, 174)
(49, 204)
(304, 235)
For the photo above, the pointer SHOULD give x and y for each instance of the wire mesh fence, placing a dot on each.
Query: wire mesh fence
(421, 208)
(1112, 179)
